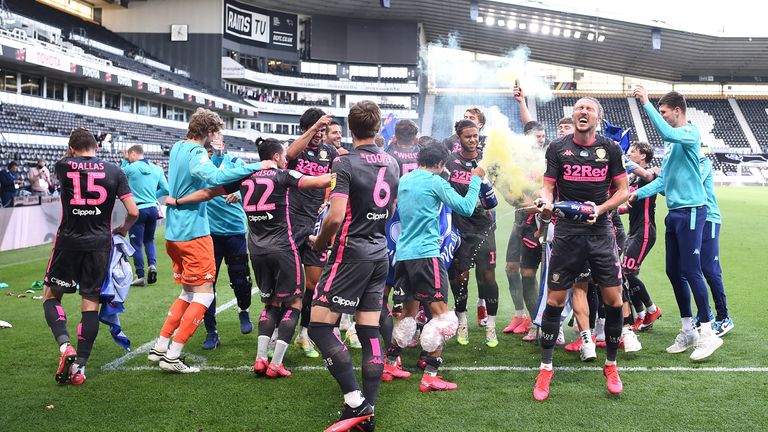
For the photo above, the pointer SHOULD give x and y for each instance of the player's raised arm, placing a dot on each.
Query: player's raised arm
(297, 146)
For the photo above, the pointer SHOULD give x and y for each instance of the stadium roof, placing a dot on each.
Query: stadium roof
(626, 48)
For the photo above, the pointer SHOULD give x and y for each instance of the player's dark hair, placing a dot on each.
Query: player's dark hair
(674, 100)
(432, 154)
(425, 140)
(479, 114)
(138, 149)
(364, 119)
(532, 126)
(268, 148)
(82, 139)
(332, 123)
(463, 124)
(203, 122)
(309, 118)
(565, 120)
(645, 149)
(406, 131)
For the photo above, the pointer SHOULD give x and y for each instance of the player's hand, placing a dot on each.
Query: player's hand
(656, 170)
(632, 198)
(232, 198)
(122, 230)
(268, 164)
(545, 208)
(640, 93)
(323, 205)
(478, 171)
(322, 123)
(593, 217)
(517, 92)
(315, 245)
(171, 202)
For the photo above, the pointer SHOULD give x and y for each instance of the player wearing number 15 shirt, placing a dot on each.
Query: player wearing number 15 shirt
(83, 246)
(362, 198)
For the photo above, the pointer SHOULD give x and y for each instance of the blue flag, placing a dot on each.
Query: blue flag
(617, 134)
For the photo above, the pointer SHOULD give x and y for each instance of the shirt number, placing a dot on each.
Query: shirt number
(380, 188)
(91, 186)
(262, 204)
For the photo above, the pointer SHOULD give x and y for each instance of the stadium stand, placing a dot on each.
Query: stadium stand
(446, 113)
(81, 33)
(23, 119)
(756, 113)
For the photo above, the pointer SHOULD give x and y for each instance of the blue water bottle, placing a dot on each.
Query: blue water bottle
(319, 220)
(487, 195)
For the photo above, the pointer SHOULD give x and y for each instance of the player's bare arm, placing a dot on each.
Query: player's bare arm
(294, 150)
(316, 182)
(130, 218)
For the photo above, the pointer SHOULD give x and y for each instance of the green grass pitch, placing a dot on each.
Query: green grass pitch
(226, 397)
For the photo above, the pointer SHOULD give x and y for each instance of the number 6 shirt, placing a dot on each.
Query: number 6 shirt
(89, 187)
(368, 177)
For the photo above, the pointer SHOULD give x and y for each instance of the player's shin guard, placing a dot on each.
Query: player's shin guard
(335, 354)
(178, 308)
(306, 306)
(240, 279)
(285, 331)
(373, 361)
(613, 320)
(460, 293)
(637, 291)
(530, 294)
(268, 320)
(489, 292)
(192, 317)
(516, 289)
(86, 336)
(550, 328)
(57, 320)
(287, 325)
(593, 300)
(386, 324)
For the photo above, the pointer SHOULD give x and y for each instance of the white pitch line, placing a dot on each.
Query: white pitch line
(205, 367)
(118, 363)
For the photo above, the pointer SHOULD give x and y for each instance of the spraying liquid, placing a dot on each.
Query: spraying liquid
(514, 163)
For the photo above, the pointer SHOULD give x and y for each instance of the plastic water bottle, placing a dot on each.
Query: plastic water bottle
(487, 195)
(320, 217)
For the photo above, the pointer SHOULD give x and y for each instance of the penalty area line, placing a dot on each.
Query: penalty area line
(205, 367)
(119, 362)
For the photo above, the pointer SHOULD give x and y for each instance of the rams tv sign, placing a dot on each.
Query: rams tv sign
(247, 24)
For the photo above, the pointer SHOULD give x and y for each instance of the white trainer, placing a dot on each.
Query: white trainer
(705, 346)
(560, 337)
(683, 341)
(599, 330)
(588, 351)
(631, 342)
(155, 355)
(176, 365)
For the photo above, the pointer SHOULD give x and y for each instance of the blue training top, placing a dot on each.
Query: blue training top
(682, 184)
(419, 196)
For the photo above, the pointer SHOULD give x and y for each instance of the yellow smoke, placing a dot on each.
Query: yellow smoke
(515, 164)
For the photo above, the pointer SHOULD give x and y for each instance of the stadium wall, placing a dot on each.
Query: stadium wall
(148, 25)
